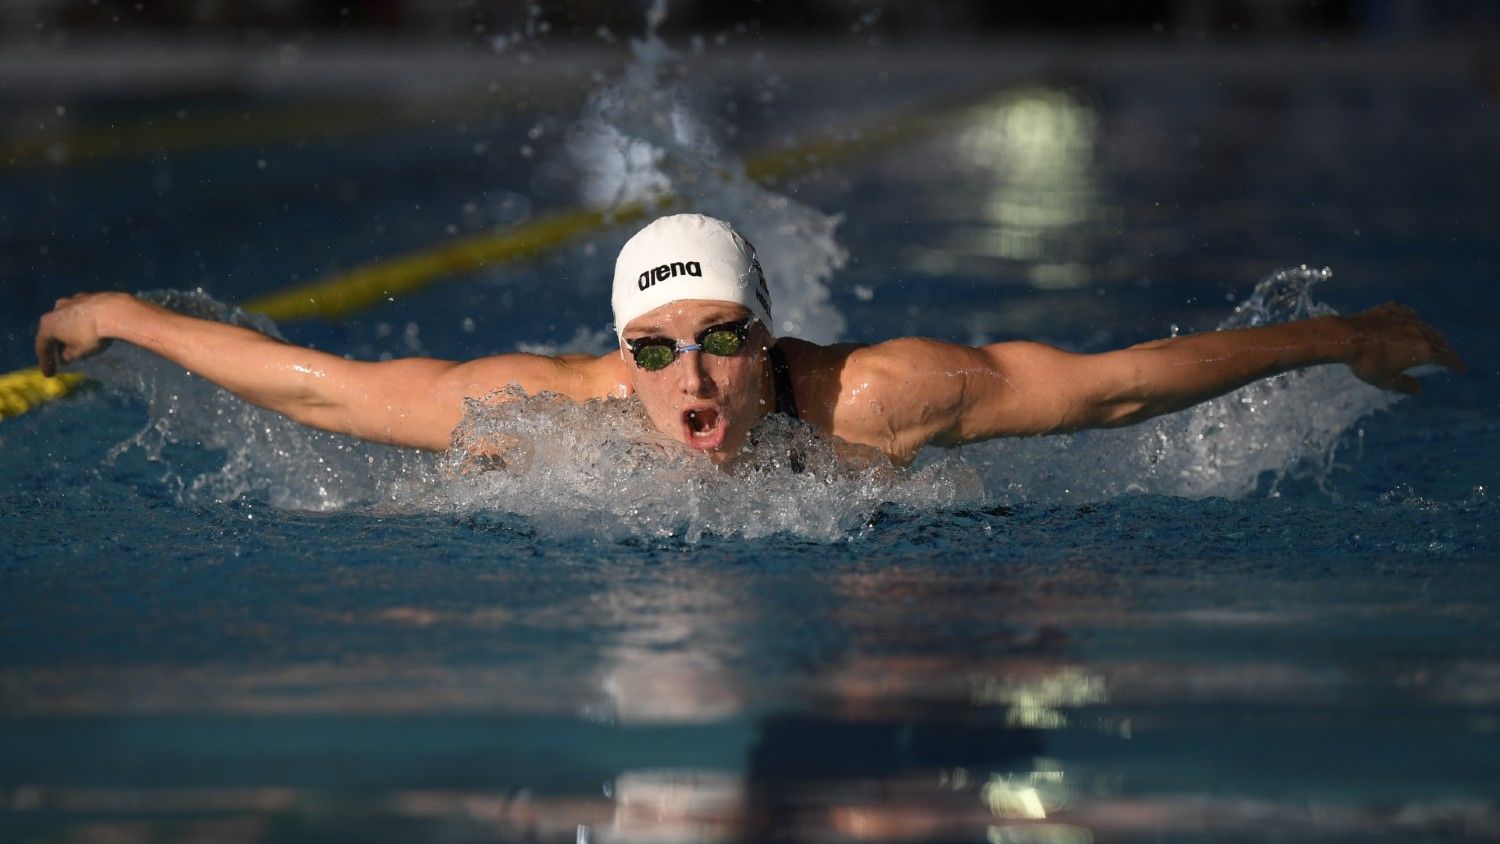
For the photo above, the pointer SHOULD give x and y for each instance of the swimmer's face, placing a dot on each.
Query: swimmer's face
(707, 402)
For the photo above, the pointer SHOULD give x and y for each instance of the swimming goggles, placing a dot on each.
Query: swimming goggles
(653, 353)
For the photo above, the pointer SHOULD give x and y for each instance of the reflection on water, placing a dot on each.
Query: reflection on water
(1032, 153)
(708, 806)
(714, 701)
(1177, 659)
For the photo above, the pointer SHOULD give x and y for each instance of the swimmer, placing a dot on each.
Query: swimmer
(697, 346)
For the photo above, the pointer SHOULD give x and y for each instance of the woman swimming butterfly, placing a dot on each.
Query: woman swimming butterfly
(692, 315)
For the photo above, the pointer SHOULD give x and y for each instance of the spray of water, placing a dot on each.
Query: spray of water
(1289, 425)
(642, 141)
(600, 469)
(266, 455)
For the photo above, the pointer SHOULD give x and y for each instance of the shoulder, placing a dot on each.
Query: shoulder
(891, 365)
(892, 358)
(895, 396)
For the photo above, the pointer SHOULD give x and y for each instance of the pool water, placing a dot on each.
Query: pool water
(1270, 618)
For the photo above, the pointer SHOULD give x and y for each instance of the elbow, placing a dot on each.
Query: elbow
(1116, 405)
(1122, 414)
(1126, 397)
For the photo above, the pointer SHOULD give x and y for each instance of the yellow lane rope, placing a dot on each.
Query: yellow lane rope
(24, 389)
(183, 133)
(373, 283)
(378, 281)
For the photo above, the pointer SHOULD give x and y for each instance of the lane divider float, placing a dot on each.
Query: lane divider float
(379, 281)
(24, 389)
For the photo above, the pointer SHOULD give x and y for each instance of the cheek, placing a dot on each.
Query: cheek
(741, 379)
(661, 402)
(654, 397)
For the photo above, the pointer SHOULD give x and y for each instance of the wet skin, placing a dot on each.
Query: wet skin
(895, 397)
(707, 402)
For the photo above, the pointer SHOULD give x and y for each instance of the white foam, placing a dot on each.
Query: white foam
(599, 469)
(1289, 425)
(642, 139)
(265, 454)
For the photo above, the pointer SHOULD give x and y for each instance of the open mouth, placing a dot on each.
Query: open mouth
(702, 422)
(703, 426)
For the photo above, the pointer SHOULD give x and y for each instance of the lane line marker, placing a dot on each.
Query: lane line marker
(378, 281)
(24, 389)
(238, 128)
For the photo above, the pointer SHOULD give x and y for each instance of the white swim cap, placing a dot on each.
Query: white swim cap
(687, 256)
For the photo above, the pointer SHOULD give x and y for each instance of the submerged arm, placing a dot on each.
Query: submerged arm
(412, 402)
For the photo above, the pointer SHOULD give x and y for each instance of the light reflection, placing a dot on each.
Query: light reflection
(895, 810)
(1037, 702)
(666, 663)
(678, 805)
(1009, 800)
(1034, 148)
(1034, 796)
(1046, 833)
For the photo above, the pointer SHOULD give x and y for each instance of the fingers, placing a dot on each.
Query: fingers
(1442, 352)
(51, 351)
(44, 354)
(47, 348)
(1449, 358)
(1425, 342)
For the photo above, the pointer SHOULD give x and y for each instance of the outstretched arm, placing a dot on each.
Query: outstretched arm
(1054, 390)
(412, 402)
(939, 392)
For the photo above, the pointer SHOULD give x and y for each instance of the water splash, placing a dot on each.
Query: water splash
(524, 36)
(567, 469)
(599, 468)
(1287, 426)
(643, 140)
(265, 454)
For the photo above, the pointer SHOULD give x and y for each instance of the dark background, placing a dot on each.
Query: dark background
(581, 19)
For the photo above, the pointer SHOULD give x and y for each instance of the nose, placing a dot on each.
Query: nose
(695, 378)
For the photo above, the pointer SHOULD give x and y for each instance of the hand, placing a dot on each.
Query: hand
(1390, 339)
(71, 331)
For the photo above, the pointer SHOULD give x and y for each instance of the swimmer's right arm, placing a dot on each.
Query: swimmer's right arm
(412, 402)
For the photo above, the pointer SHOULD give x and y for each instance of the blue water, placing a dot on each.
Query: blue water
(1274, 619)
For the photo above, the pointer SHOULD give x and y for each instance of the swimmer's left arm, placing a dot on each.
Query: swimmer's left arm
(901, 395)
(1031, 388)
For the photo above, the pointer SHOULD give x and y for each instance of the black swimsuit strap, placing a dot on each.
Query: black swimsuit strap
(781, 375)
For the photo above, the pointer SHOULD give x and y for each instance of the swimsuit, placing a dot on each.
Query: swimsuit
(786, 402)
(781, 374)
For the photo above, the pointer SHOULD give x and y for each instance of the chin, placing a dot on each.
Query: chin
(722, 450)
(720, 457)
(722, 447)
